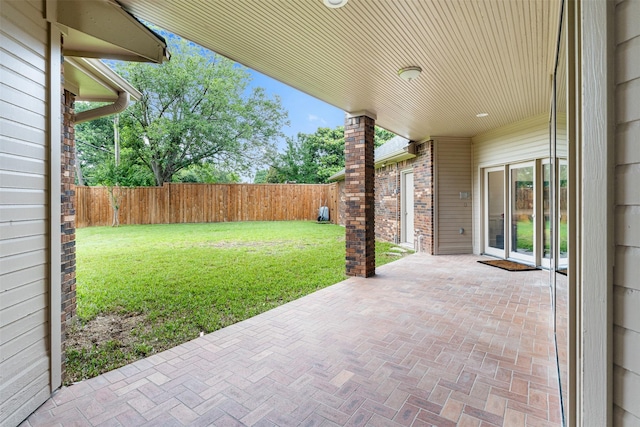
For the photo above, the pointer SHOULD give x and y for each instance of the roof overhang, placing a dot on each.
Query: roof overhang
(489, 56)
(92, 80)
(396, 150)
(102, 29)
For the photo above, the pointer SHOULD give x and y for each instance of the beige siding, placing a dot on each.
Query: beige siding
(518, 142)
(24, 296)
(626, 293)
(453, 175)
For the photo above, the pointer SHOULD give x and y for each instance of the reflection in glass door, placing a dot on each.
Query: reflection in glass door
(562, 215)
(494, 212)
(546, 213)
(522, 212)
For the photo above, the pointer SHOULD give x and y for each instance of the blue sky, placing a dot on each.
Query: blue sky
(306, 113)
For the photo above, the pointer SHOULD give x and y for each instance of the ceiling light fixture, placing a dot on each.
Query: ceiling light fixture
(409, 73)
(482, 114)
(334, 4)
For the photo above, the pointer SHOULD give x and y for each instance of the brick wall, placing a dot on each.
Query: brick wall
(67, 220)
(424, 197)
(359, 195)
(388, 203)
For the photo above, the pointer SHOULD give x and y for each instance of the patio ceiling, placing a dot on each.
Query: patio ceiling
(488, 56)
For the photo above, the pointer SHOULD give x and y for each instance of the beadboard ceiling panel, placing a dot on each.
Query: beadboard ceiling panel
(480, 56)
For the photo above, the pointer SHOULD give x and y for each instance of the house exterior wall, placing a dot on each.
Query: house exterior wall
(626, 290)
(388, 219)
(388, 202)
(453, 213)
(517, 142)
(24, 211)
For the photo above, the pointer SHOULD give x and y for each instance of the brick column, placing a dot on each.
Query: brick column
(68, 217)
(359, 195)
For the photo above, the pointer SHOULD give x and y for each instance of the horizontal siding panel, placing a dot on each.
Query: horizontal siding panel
(627, 268)
(453, 165)
(627, 184)
(13, 229)
(18, 139)
(21, 196)
(22, 212)
(627, 224)
(626, 302)
(20, 164)
(26, 21)
(14, 365)
(21, 245)
(31, 380)
(627, 105)
(24, 100)
(36, 394)
(626, 389)
(628, 143)
(22, 180)
(626, 349)
(622, 418)
(13, 333)
(21, 311)
(18, 115)
(628, 60)
(16, 279)
(32, 63)
(17, 82)
(20, 262)
(626, 20)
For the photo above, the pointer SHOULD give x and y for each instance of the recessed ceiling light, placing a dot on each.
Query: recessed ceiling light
(334, 4)
(482, 114)
(409, 73)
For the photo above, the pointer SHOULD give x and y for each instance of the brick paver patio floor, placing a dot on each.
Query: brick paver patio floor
(438, 341)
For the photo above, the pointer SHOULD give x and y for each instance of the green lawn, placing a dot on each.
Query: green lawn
(143, 289)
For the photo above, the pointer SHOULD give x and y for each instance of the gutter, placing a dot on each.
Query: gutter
(118, 106)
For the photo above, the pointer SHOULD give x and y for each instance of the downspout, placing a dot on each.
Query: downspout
(106, 110)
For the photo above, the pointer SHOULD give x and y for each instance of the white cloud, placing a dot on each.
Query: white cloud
(314, 118)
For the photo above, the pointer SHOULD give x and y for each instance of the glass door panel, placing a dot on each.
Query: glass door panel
(522, 212)
(546, 214)
(494, 228)
(562, 211)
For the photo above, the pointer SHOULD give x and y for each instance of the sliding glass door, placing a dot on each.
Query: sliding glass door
(522, 213)
(494, 212)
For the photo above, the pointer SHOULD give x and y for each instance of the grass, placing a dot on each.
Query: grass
(143, 289)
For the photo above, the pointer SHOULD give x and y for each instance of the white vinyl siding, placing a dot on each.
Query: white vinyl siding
(517, 142)
(626, 292)
(24, 296)
(453, 175)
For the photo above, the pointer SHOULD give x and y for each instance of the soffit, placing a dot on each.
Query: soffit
(92, 80)
(102, 29)
(493, 56)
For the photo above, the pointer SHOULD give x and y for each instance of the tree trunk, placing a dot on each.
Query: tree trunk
(114, 198)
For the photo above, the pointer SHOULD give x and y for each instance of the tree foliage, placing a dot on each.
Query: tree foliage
(96, 155)
(198, 109)
(313, 158)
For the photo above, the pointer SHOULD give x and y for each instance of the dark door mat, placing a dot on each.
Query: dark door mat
(508, 265)
(562, 271)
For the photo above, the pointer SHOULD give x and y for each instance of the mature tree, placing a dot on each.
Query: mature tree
(205, 173)
(198, 108)
(95, 149)
(313, 158)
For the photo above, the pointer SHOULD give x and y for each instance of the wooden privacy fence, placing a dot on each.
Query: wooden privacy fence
(187, 203)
